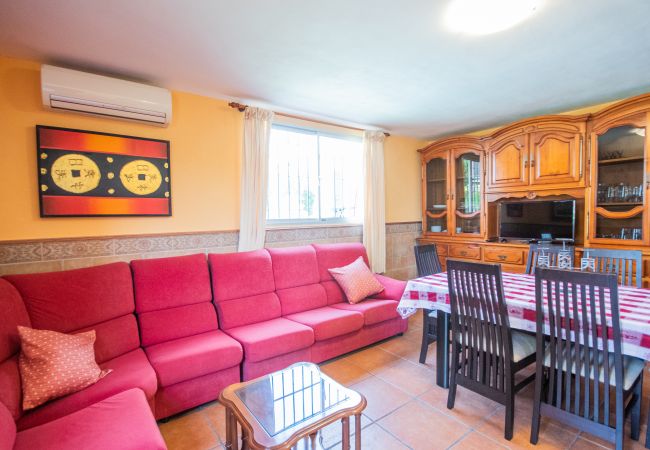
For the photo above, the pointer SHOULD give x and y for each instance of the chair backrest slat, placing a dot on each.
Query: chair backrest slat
(551, 250)
(581, 312)
(427, 260)
(479, 321)
(627, 264)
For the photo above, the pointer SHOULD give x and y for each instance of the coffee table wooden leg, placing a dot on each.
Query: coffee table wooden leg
(346, 433)
(228, 429)
(232, 440)
(357, 431)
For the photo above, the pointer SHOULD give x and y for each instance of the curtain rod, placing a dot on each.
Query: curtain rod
(240, 107)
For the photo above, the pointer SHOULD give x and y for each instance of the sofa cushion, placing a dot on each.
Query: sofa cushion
(264, 340)
(101, 298)
(128, 371)
(175, 323)
(237, 275)
(13, 313)
(356, 280)
(393, 289)
(193, 356)
(10, 386)
(170, 282)
(55, 364)
(374, 311)
(121, 421)
(302, 298)
(333, 292)
(8, 428)
(337, 255)
(294, 266)
(248, 310)
(329, 322)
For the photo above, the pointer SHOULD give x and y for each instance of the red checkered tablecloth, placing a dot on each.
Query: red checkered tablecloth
(634, 306)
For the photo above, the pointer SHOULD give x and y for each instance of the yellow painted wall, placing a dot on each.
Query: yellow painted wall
(205, 136)
(403, 184)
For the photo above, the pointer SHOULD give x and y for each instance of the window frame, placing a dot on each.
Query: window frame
(288, 223)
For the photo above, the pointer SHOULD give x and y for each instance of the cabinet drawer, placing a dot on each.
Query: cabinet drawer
(503, 255)
(466, 251)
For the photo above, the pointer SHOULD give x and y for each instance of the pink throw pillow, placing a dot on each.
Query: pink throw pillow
(55, 364)
(356, 280)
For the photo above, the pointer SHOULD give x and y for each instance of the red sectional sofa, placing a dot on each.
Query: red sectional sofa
(175, 331)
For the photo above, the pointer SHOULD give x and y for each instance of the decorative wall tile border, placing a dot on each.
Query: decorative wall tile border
(58, 254)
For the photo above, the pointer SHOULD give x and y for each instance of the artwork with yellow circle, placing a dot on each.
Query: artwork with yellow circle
(87, 173)
(75, 173)
(140, 177)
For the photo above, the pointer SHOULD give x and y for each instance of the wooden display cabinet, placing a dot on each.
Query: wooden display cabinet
(618, 213)
(452, 186)
(602, 160)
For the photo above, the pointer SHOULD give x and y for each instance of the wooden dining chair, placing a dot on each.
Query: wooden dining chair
(576, 383)
(486, 354)
(427, 263)
(551, 250)
(626, 263)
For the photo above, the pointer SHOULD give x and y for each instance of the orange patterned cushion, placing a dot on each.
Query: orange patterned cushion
(356, 280)
(55, 364)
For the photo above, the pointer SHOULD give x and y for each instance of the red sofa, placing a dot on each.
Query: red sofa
(176, 331)
(88, 419)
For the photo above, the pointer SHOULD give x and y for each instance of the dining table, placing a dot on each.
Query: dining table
(432, 293)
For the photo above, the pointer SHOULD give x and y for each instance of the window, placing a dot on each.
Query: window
(314, 177)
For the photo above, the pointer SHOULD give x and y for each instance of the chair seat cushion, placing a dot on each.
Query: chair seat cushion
(121, 421)
(131, 370)
(193, 356)
(374, 311)
(632, 368)
(329, 322)
(523, 345)
(393, 289)
(264, 340)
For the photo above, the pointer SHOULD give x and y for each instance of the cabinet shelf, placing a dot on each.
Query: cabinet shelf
(619, 204)
(630, 159)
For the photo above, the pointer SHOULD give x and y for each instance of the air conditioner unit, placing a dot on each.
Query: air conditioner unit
(71, 90)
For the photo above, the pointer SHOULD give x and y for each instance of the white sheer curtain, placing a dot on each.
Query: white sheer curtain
(374, 223)
(254, 178)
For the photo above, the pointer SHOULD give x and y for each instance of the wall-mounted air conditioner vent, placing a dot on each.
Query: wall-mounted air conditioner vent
(99, 95)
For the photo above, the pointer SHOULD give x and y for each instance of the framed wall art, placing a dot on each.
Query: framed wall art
(86, 173)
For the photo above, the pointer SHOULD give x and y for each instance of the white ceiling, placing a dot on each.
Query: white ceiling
(384, 63)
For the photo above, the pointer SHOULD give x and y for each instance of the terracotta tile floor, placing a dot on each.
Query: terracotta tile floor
(406, 410)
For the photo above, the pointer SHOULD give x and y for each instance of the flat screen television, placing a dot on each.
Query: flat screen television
(539, 219)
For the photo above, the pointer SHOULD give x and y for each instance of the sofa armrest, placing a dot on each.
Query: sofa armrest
(393, 289)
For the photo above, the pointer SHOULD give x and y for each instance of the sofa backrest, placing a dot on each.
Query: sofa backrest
(243, 288)
(330, 256)
(12, 314)
(295, 271)
(96, 298)
(7, 429)
(173, 298)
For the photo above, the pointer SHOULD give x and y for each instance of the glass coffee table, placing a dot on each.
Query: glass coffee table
(280, 409)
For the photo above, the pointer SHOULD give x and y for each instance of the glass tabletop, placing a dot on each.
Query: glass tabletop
(287, 398)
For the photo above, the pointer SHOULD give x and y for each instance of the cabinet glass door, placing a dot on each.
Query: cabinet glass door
(436, 195)
(467, 195)
(620, 192)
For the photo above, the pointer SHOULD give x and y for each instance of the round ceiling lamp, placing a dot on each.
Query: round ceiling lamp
(481, 17)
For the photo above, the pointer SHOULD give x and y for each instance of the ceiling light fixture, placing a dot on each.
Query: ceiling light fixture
(488, 16)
